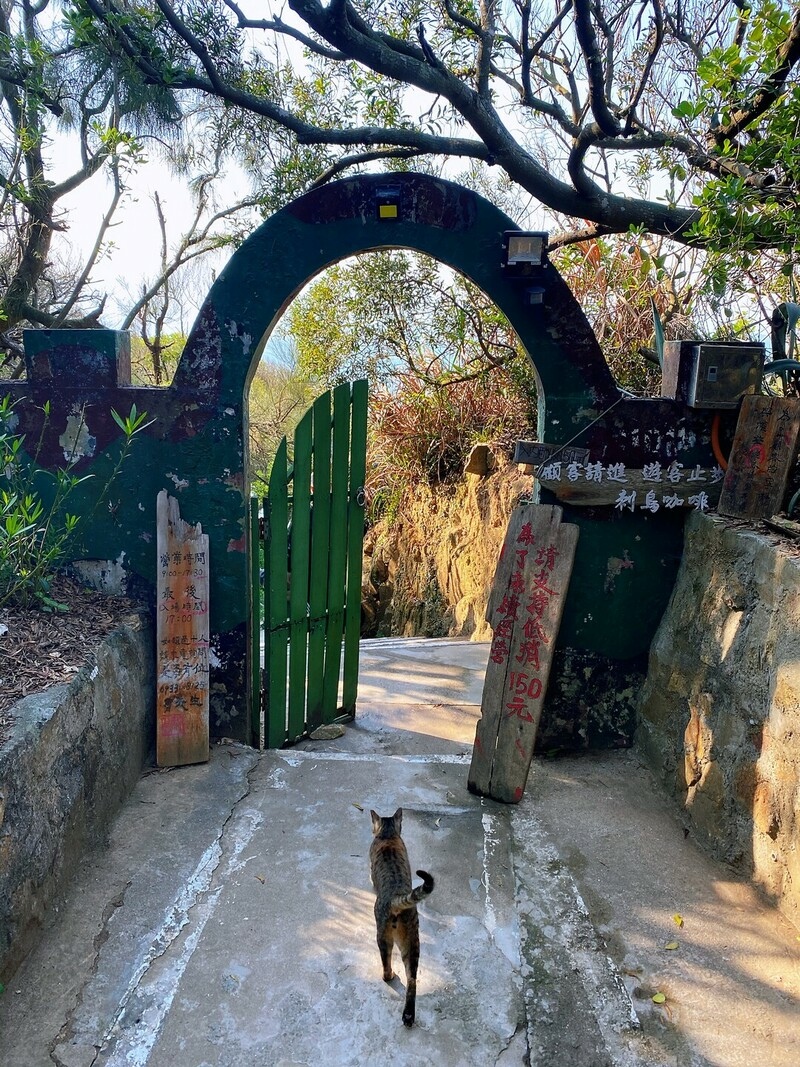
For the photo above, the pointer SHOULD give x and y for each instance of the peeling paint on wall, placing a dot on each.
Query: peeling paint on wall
(613, 568)
(76, 441)
(245, 338)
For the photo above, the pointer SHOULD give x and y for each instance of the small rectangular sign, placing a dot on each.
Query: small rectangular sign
(650, 488)
(762, 454)
(535, 453)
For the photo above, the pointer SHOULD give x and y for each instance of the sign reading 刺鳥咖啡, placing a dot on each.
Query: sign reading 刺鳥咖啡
(653, 487)
(524, 610)
(182, 636)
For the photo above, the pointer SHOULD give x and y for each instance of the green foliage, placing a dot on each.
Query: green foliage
(749, 201)
(388, 312)
(154, 361)
(36, 527)
(658, 333)
(444, 365)
(635, 293)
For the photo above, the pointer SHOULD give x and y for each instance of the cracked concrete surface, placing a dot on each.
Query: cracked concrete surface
(229, 922)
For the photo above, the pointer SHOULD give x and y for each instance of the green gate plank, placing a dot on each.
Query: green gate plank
(320, 537)
(300, 544)
(355, 545)
(337, 571)
(276, 518)
(256, 595)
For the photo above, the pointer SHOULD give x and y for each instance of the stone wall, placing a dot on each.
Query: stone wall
(74, 754)
(720, 711)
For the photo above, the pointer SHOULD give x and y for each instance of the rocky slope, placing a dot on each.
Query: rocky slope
(428, 569)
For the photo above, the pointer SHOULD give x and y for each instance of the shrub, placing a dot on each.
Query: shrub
(420, 430)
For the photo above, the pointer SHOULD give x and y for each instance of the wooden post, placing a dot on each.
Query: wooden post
(762, 453)
(525, 608)
(182, 635)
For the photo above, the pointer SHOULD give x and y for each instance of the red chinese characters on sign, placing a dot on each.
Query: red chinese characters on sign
(522, 687)
(525, 606)
(182, 636)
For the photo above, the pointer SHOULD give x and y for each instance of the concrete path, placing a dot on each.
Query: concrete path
(230, 920)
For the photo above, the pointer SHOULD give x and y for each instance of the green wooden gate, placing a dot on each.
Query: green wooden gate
(307, 611)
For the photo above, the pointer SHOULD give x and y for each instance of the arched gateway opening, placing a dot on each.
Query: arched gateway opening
(451, 224)
(196, 447)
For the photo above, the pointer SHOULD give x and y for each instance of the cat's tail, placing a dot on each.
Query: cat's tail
(408, 900)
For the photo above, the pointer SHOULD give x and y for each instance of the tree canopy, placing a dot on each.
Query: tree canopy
(677, 117)
(70, 113)
(676, 120)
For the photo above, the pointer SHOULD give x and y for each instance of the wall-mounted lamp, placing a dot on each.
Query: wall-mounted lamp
(522, 251)
(387, 203)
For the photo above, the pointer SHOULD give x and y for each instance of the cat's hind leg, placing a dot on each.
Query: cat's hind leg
(385, 947)
(410, 952)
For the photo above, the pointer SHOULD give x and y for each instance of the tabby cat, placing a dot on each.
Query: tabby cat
(396, 904)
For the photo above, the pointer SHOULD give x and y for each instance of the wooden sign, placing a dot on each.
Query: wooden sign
(654, 487)
(763, 450)
(182, 636)
(534, 453)
(525, 608)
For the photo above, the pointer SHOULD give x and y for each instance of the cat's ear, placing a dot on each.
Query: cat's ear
(398, 819)
(376, 821)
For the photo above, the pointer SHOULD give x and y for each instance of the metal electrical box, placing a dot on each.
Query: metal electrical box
(722, 373)
(711, 374)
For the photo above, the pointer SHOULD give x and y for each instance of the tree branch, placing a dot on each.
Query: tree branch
(595, 75)
(277, 25)
(657, 41)
(95, 252)
(359, 158)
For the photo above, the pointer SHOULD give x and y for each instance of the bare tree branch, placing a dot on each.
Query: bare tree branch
(595, 74)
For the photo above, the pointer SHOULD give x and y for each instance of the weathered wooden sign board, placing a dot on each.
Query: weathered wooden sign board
(763, 450)
(525, 608)
(182, 635)
(650, 488)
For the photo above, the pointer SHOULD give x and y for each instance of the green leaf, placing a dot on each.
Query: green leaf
(658, 331)
(48, 604)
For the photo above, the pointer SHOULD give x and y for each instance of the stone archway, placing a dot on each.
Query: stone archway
(197, 446)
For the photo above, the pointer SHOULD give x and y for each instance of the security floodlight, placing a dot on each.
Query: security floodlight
(524, 250)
